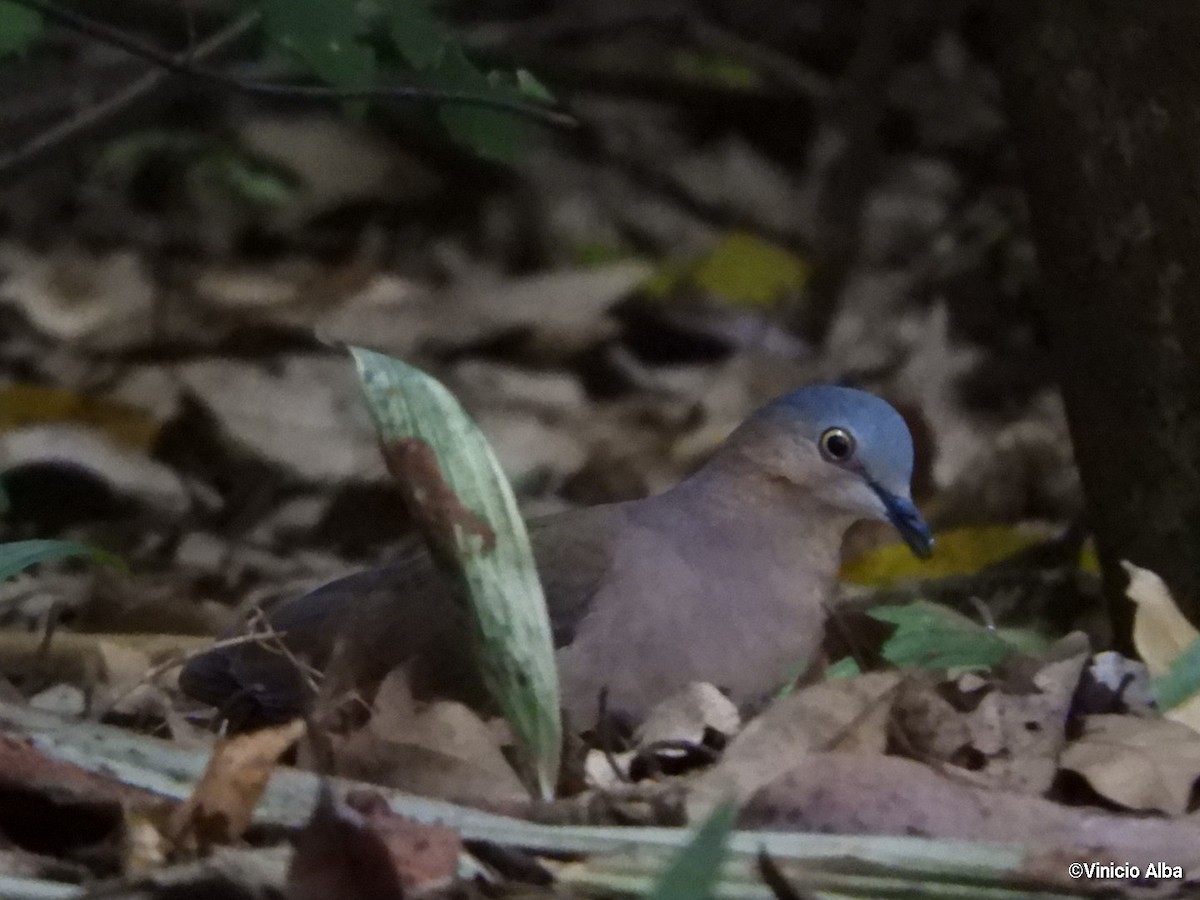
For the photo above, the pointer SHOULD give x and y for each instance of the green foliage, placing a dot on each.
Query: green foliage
(1182, 681)
(715, 68)
(326, 35)
(356, 45)
(930, 636)
(694, 873)
(341, 45)
(17, 556)
(206, 162)
(470, 519)
(19, 27)
(418, 35)
(846, 667)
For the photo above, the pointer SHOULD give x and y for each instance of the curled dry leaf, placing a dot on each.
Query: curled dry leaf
(1161, 634)
(1160, 631)
(1139, 763)
(848, 714)
(221, 806)
(1005, 728)
(440, 749)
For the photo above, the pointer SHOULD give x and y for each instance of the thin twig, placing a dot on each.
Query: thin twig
(96, 115)
(182, 65)
(268, 639)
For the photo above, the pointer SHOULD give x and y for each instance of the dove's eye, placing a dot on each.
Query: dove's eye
(837, 445)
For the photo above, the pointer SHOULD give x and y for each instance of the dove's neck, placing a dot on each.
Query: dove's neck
(732, 505)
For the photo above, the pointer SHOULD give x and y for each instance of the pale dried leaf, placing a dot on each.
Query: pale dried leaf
(1139, 763)
(848, 714)
(1160, 631)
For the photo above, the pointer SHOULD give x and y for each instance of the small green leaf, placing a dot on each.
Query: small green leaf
(492, 133)
(250, 180)
(846, 667)
(19, 27)
(324, 35)
(471, 522)
(930, 636)
(17, 556)
(1182, 679)
(418, 35)
(693, 874)
(715, 69)
(528, 85)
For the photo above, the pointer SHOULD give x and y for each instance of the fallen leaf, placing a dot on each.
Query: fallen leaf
(1005, 728)
(29, 404)
(361, 850)
(931, 636)
(848, 714)
(1139, 763)
(960, 551)
(441, 749)
(1161, 633)
(222, 803)
(849, 793)
(425, 855)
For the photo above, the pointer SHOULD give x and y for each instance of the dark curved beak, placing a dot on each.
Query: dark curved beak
(907, 520)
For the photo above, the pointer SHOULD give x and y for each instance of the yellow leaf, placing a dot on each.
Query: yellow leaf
(748, 271)
(31, 404)
(742, 270)
(960, 551)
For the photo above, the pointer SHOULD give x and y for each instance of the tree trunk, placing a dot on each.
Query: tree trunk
(1104, 99)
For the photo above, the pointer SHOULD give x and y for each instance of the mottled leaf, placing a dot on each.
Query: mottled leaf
(465, 507)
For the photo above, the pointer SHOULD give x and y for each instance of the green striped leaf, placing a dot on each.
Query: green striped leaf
(466, 510)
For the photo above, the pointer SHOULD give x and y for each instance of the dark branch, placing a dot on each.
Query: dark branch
(96, 115)
(184, 65)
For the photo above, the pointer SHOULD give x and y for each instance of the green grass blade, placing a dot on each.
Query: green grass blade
(17, 556)
(695, 872)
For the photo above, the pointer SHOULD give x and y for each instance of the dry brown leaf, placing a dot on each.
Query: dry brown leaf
(1139, 763)
(425, 855)
(221, 806)
(1006, 729)
(846, 715)
(440, 749)
(361, 850)
(846, 793)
